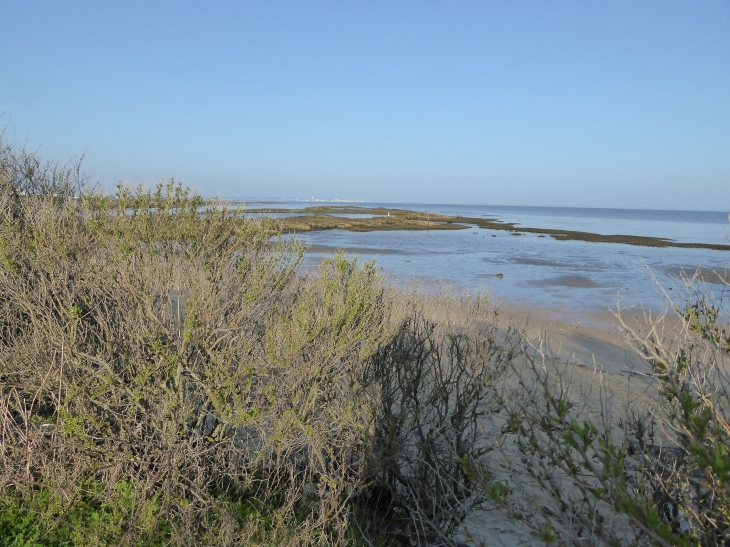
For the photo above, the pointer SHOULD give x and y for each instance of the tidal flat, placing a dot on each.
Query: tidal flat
(565, 275)
(386, 219)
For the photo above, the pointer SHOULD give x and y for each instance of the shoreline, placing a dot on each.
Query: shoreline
(584, 338)
(319, 218)
(589, 340)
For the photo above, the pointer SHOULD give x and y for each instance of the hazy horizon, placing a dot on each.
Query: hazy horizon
(315, 199)
(563, 104)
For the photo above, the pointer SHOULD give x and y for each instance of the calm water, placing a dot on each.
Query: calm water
(541, 270)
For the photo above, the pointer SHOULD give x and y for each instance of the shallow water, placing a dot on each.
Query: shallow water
(681, 226)
(289, 215)
(539, 270)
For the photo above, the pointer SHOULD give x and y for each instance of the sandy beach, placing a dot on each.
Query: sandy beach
(592, 351)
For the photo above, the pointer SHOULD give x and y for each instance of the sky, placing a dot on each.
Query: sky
(561, 103)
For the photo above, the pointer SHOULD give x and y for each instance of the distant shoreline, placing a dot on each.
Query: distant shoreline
(386, 219)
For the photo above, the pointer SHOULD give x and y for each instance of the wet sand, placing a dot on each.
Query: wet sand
(703, 275)
(331, 250)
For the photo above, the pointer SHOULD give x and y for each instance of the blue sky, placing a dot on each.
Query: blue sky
(607, 104)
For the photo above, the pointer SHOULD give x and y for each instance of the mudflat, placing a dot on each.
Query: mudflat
(381, 219)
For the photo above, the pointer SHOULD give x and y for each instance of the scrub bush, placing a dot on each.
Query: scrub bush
(435, 390)
(167, 377)
(657, 473)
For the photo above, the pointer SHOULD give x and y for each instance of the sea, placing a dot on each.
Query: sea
(541, 271)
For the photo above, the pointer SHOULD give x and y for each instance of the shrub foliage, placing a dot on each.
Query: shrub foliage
(654, 472)
(167, 376)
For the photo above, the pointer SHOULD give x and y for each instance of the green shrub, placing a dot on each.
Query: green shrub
(660, 473)
(92, 517)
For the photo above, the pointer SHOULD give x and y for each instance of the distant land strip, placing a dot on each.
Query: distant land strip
(385, 219)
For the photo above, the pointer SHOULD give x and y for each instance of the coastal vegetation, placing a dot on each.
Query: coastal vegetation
(168, 376)
(643, 461)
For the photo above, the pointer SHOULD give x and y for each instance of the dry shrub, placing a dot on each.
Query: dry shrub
(435, 389)
(132, 353)
(167, 377)
(24, 172)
